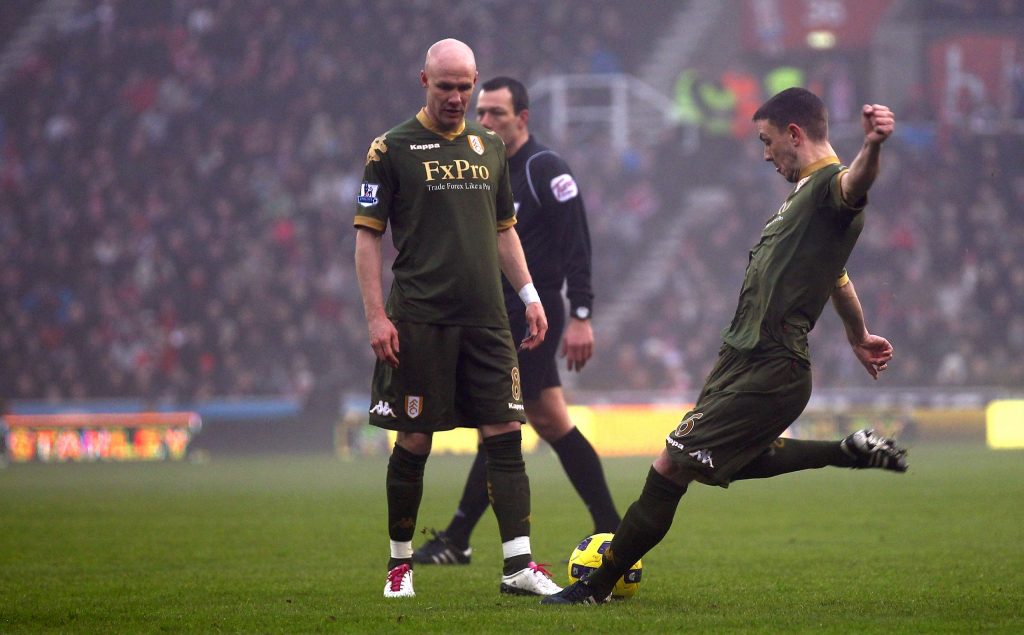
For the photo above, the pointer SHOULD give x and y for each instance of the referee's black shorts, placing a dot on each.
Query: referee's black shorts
(539, 368)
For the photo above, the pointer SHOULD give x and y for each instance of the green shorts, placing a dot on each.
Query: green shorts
(447, 377)
(746, 403)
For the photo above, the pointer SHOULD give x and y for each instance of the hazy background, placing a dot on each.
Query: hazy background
(177, 185)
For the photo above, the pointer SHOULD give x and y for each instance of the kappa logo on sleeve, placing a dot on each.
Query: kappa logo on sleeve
(563, 187)
(368, 194)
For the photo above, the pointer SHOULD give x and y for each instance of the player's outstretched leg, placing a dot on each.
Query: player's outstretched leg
(869, 449)
(862, 449)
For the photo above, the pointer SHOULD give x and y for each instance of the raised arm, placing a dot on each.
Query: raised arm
(873, 351)
(878, 122)
(513, 265)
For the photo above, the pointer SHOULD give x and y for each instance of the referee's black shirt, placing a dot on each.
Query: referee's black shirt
(552, 225)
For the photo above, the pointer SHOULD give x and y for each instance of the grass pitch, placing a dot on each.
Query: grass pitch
(298, 544)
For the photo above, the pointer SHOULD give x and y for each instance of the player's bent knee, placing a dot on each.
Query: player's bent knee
(671, 470)
(416, 442)
(551, 430)
(549, 424)
(493, 429)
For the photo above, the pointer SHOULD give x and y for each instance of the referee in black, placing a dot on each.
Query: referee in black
(552, 226)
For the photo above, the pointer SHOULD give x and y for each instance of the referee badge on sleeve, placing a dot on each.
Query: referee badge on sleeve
(563, 187)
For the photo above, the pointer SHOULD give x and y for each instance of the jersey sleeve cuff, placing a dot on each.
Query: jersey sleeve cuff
(370, 223)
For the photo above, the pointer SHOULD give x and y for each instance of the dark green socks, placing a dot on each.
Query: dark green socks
(646, 522)
(405, 489)
(793, 455)
(509, 490)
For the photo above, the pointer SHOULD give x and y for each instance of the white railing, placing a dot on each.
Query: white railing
(627, 108)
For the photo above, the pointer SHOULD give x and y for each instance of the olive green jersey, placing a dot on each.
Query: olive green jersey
(799, 260)
(446, 196)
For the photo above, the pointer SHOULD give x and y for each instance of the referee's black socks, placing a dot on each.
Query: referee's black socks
(583, 467)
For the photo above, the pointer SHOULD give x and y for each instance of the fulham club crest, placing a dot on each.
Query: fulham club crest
(413, 406)
(476, 143)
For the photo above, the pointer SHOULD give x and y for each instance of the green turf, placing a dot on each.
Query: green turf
(297, 544)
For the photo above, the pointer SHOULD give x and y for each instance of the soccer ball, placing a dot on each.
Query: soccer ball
(587, 557)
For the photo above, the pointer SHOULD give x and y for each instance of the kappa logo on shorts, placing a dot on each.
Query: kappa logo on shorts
(704, 457)
(413, 405)
(669, 440)
(382, 409)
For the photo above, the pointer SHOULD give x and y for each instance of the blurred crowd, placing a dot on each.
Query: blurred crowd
(939, 270)
(177, 184)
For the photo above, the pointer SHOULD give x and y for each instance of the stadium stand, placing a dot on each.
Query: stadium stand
(938, 270)
(177, 182)
(177, 179)
(12, 15)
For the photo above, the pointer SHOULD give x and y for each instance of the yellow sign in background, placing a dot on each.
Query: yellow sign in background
(640, 429)
(613, 430)
(1004, 424)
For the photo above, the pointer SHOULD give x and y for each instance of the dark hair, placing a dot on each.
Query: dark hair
(799, 106)
(520, 100)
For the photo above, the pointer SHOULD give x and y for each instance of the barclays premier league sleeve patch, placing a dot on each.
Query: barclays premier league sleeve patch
(368, 194)
(563, 187)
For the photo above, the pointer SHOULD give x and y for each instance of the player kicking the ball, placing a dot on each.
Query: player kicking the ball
(762, 379)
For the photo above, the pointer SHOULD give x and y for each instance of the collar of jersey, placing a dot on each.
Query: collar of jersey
(431, 125)
(817, 165)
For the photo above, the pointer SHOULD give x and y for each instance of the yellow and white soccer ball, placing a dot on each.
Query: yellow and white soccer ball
(587, 557)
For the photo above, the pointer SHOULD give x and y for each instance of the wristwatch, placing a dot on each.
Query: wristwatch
(581, 312)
